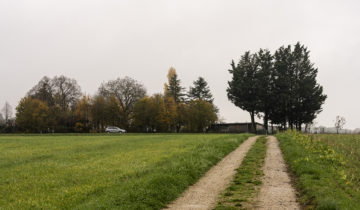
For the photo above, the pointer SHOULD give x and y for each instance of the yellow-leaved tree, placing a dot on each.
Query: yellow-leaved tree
(200, 115)
(32, 115)
(83, 115)
(98, 113)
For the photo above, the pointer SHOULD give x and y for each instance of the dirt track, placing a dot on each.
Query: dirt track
(203, 194)
(276, 191)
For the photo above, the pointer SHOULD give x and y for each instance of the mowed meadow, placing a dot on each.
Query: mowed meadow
(326, 168)
(132, 171)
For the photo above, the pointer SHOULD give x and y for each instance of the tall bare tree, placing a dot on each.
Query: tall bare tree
(339, 123)
(66, 92)
(2, 120)
(60, 94)
(127, 91)
(43, 91)
(59, 90)
(7, 111)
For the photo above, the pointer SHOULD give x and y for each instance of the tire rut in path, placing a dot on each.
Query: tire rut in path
(204, 193)
(276, 191)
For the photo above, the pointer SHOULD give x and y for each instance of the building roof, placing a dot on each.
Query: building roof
(245, 123)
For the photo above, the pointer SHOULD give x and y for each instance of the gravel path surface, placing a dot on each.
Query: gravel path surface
(204, 194)
(276, 191)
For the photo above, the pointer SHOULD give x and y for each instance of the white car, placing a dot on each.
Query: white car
(113, 129)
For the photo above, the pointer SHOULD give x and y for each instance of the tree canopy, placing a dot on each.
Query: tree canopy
(32, 115)
(242, 89)
(55, 105)
(61, 94)
(282, 87)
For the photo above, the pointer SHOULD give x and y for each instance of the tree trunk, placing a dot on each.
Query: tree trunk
(266, 122)
(298, 127)
(252, 115)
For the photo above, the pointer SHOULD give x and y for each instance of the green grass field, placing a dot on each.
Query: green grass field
(326, 168)
(104, 171)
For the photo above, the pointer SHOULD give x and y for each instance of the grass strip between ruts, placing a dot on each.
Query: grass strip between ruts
(247, 180)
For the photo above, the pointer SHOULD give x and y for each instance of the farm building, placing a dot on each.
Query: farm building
(235, 128)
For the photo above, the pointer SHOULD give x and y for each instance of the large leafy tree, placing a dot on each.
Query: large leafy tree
(200, 115)
(83, 114)
(161, 117)
(173, 115)
(32, 115)
(143, 114)
(163, 113)
(61, 94)
(98, 112)
(155, 113)
(114, 112)
(150, 114)
(242, 89)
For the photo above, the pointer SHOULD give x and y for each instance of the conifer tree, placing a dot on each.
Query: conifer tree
(282, 87)
(173, 87)
(308, 94)
(200, 91)
(242, 90)
(264, 80)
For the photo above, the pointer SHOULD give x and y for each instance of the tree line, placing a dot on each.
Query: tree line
(279, 87)
(57, 105)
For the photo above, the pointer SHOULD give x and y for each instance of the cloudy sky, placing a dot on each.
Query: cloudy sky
(94, 41)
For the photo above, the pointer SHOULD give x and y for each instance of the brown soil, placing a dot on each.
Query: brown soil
(204, 194)
(276, 191)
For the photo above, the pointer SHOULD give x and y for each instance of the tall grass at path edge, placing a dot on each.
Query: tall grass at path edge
(320, 173)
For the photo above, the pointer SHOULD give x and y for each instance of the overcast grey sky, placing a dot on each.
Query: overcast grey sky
(97, 40)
